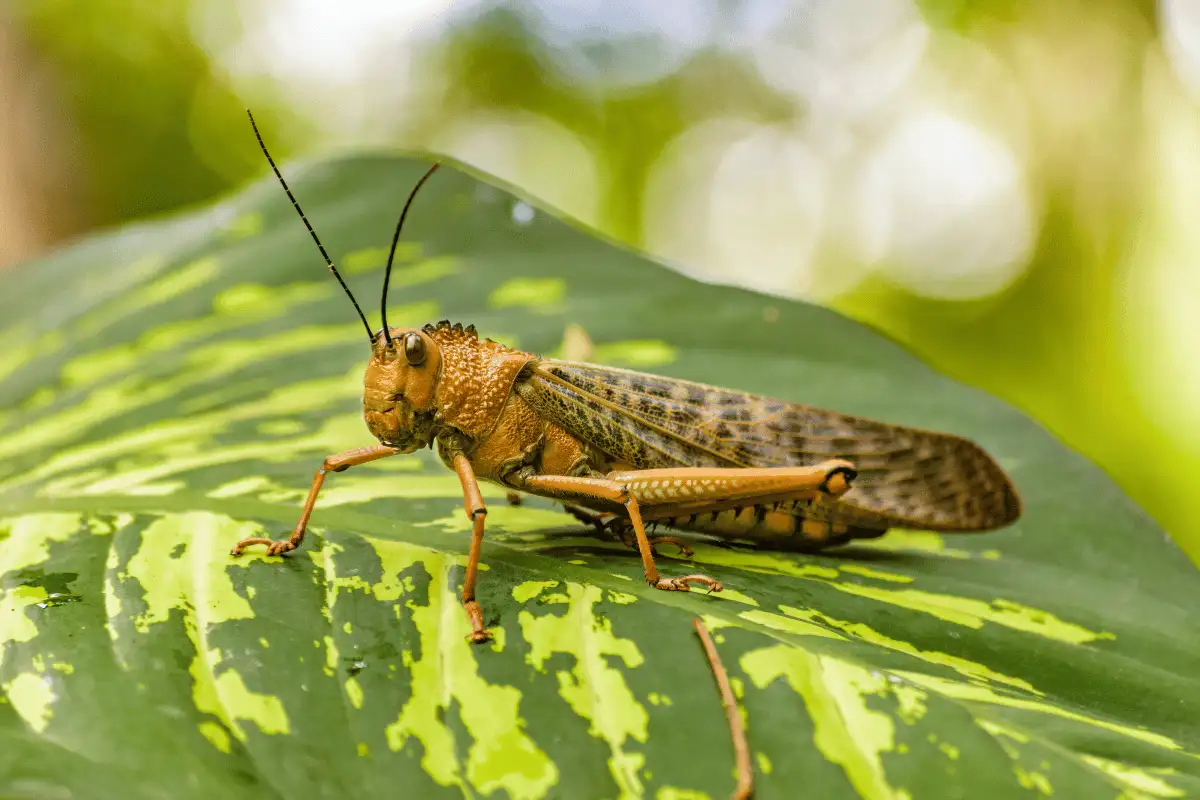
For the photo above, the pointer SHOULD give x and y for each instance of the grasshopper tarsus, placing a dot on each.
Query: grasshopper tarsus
(681, 584)
(275, 547)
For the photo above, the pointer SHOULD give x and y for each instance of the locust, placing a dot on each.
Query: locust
(622, 449)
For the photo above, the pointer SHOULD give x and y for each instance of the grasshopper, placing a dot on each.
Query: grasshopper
(620, 448)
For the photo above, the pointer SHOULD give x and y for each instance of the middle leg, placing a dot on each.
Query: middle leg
(605, 489)
(613, 525)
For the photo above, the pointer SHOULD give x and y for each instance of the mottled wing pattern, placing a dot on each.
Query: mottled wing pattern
(907, 477)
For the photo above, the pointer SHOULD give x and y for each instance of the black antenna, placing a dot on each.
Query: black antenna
(328, 260)
(387, 276)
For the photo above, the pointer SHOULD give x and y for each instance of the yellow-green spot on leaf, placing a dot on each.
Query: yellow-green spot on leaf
(88, 369)
(764, 763)
(972, 613)
(376, 257)
(422, 272)
(911, 701)
(204, 364)
(175, 283)
(197, 584)
(370, 258)
(259, 301)
(950, 750)
(657, 699)
(28, 545)
(242, 486)
(363, 750)
(169, 459)
(788, 624)
(331, 655)
(579, 562)
(863, 632)
(716, 623)
(245, 225)
(675, 793)
(501, 756)
(280, 427)
(32, 696)
(637, 353)
(15, 624)
(216, 735)
(737, 597)
(502, 519)
(915, 541)
(1033, 780)
(594, 689)
(63, 667)
(877, 574)
(354, 692)
(1139, 781)
(982, 694)
(537, 293)
(621, 598)
(264, 710)
(39, 399)
(195, 581)
(528, 590)
(997, 729)
(31, 535)
(760, 562)
(848, 731)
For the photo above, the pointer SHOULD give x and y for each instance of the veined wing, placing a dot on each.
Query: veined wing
(906, 477)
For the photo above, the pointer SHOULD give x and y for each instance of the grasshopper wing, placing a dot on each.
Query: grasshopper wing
(907, 477)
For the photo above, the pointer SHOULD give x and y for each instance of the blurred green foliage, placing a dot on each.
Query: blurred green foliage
(160, 126)
(155, 122)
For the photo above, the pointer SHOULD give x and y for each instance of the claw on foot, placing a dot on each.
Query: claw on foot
(274, 547)
(681, 584)
(480, 636)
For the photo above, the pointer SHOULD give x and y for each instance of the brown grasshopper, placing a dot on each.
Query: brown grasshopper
(616, 446)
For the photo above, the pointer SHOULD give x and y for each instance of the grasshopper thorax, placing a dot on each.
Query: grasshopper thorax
(400, 389)
(437, 379)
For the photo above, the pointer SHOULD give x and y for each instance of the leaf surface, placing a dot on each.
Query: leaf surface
(169, 388)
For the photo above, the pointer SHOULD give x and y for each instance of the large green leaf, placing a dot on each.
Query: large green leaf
(170, 388)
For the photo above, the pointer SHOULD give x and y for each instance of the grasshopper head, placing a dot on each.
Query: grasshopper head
(399, 389)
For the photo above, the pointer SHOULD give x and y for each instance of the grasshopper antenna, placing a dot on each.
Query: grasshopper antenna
(387, 276)
(328, 260)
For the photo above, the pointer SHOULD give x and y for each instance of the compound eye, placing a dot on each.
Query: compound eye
(414, 349)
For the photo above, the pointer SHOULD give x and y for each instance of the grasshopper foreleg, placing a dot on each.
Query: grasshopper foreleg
(477, 513)
(335, 463)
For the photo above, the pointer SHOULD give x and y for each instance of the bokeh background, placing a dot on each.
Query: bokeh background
(1011, 189)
